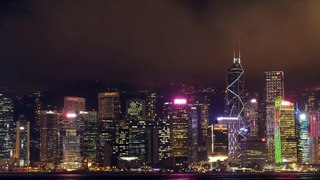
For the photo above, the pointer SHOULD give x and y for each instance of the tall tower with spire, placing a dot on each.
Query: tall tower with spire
(235, 88)
(234, 106)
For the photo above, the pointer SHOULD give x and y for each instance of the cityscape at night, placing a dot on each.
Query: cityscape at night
(129, 88)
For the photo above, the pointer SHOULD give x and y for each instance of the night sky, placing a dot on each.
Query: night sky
(49, 43)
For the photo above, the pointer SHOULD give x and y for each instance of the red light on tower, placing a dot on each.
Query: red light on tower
(263, 139)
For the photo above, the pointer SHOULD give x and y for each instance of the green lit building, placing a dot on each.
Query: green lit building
(285, 140)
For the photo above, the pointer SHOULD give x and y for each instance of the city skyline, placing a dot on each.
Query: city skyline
(156, 41)
(159, 87)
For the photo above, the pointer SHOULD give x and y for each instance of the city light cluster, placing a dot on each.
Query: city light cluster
(154, 132)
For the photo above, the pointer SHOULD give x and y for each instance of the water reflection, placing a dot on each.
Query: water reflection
(108, 176)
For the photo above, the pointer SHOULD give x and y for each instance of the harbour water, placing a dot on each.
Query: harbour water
(108, 176)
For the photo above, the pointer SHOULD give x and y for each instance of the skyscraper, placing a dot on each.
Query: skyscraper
(193, 133)
(218, 140)
(199, 119)
(312, 101)
(314, 137)
(137, 128)
(122, 141)
(71, 133)
(151, 99)
(233, 137)
(178, 115)
(274, 87)
(6, 127)
(108, 118)
(165, 151)
(285, 132)
(235, 89)
(70, 141)
(152, 143)
(49, 136)
(303, 147)
(74, 104)
(22, 151)
(152, 138)
(251, 117)
(89, 136)
(234, 107)
(35, 129)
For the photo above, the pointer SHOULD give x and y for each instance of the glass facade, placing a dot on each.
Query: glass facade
(69, 138)
(303, 138)
(89, 136)
(48, 136)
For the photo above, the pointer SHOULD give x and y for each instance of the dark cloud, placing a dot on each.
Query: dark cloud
(47, 43)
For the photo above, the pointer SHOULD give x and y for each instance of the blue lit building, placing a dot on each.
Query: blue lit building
(303, 143)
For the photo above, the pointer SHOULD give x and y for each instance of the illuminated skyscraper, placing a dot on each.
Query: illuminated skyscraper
(284, 132)
(152, 138)
(22, 153)
(6, 127)
(253, 148)
(312, 106)
(89, 136)
(74, 104)
(314, 135)
(109, 105)
(274, 85)
(193, 133)
(234, 108)
(303, 146)
(122, 141)
(233, 136)
(35, 129)
(218, 140)
(49, 136)
(203, 125)
(164, 139)
(251, 117)
(71, 133)
(235, 89)
(178, 115)
(70, 141)
(312, 100)
(151, 99)
(164, 130)
(274, 88)
(199, 128)
(108, 117)
(137, 128)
